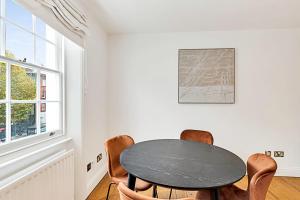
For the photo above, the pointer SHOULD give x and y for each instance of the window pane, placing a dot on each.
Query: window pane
(23, 83)
(45, 54)
(2, 80)
(50, 86)
(43, 117)
(50, 116)
(2, 123)
(23, 120)
(18, 14)
(19, 44)
(44, 30)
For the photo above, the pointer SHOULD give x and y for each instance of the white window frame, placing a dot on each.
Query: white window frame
(10, 145)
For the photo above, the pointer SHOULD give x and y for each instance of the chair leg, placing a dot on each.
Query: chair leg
(170, 195)
(107, 195)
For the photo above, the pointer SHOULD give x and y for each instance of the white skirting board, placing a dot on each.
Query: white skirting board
(291, 172)
(52, 178)
(96, 179)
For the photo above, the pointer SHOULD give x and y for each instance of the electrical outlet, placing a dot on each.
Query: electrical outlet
(89, 167)
(268, 153)
(278, 153)
(99, 157)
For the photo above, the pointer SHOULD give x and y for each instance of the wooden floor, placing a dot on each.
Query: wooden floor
(282, 188)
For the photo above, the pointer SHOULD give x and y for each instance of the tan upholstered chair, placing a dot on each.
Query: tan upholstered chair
(127, 194)
(261, 169)
(197, 136)
(117, 173)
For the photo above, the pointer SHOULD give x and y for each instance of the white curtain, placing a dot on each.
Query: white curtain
(62, 15)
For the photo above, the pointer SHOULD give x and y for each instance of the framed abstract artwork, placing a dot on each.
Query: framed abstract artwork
(206, 76)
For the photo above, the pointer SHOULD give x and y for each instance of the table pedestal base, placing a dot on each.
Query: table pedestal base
(214, 193)
(154, 191)
(131, 181)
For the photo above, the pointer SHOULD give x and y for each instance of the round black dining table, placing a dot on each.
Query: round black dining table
(181, 164)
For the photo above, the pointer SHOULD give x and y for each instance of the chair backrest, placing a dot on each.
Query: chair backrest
(261, 169)
(127, 194)
(197, 136)
(114, 147)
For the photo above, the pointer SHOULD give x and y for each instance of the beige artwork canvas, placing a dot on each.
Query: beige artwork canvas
(206, 76)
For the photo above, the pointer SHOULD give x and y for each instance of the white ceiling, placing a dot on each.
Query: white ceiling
(144, 16)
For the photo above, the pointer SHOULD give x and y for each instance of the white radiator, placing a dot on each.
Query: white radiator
(49, 179)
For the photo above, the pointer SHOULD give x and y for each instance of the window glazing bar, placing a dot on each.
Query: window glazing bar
(29, 65)
(8, 104)
(2, 28)
(38, 105)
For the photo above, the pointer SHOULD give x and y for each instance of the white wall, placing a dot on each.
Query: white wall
(86, 114)
(95, 102)
(73, 110)
(143, 91)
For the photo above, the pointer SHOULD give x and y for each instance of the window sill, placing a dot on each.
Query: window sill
(26, 143)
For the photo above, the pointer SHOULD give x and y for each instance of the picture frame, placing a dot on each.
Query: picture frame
(206, 76)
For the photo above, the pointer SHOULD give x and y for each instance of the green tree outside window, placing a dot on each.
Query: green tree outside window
(23, 87)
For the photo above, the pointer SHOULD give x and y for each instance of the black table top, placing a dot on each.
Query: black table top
(182, 164)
